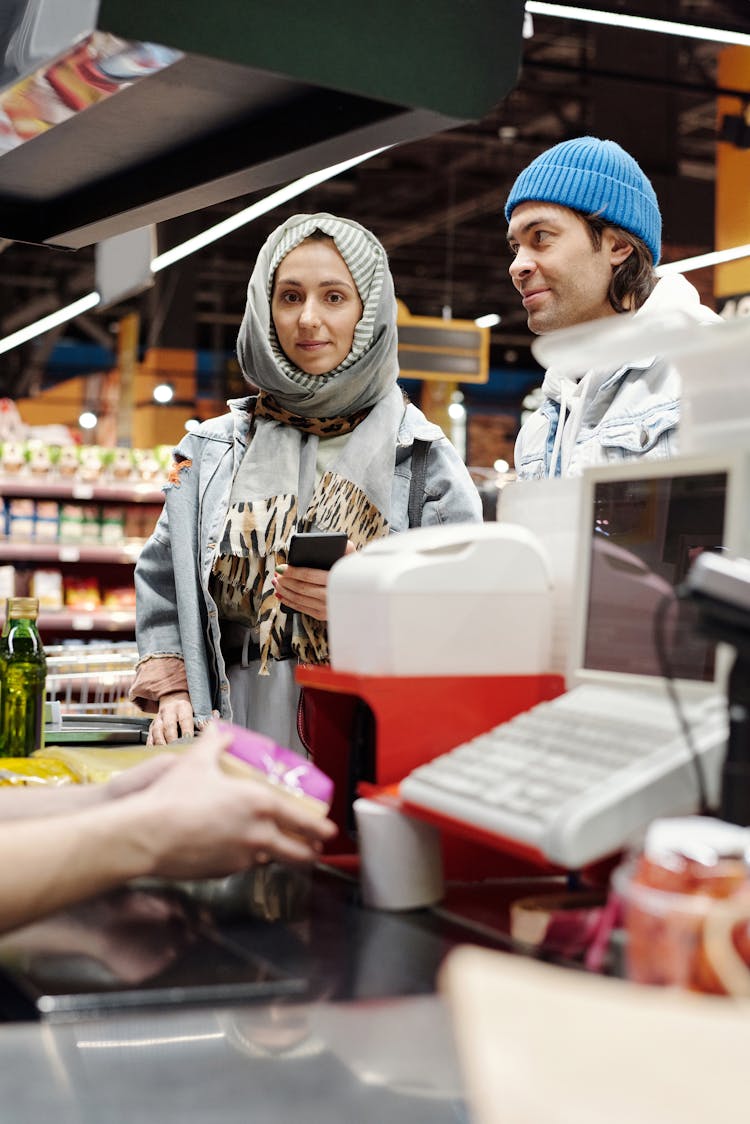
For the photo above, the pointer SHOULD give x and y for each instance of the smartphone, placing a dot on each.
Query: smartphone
(316, 549)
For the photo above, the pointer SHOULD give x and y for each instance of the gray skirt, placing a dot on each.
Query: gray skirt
(267, 703)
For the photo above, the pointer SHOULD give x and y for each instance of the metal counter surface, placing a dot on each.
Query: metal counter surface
(368, 1041)
(357, 1063)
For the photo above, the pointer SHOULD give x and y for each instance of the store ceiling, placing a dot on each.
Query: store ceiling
(437, 204)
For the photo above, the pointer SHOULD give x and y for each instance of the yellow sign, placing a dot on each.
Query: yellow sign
(732, 279)
(448, 350)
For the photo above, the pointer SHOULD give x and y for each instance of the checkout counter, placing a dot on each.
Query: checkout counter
(267, 995)
(148, 1000)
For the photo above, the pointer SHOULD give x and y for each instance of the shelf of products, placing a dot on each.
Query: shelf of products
(22, 550)
(12, 487)
(73, 521)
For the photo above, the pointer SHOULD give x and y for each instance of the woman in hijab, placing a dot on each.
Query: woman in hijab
(324, 444)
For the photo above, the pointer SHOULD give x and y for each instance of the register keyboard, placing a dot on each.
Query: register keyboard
(576, 779)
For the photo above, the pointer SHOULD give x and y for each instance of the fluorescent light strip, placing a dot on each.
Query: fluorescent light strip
(283, 195)
(716, 257)
(638, 23)
(77, 308)
(177, 253)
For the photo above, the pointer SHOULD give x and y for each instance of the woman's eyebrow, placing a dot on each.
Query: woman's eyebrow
(337, 283)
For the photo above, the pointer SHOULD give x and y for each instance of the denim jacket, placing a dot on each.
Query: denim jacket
(635, 413)
(176, 614)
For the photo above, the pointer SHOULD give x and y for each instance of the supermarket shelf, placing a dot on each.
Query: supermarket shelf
(16, 486)
(13, 551)
(87, 620)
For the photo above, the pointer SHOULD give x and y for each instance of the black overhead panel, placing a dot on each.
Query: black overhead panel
(173, 106)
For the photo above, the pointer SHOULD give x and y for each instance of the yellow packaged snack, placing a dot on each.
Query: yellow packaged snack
(98, 763)
(35, 770)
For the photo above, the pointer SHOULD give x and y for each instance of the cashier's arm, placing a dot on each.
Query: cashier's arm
(182, 818)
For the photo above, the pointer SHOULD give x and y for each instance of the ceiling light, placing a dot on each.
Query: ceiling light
(191, 424)
(87, 420)
(23, 335)
(177, 253)
(255, 210)
(638, 23)
(491, 320)
(163, 393)
(700, 261)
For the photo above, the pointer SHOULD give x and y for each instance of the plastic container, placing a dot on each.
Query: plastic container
(686, 909)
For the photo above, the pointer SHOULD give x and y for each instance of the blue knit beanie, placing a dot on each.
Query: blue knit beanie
(594, 177)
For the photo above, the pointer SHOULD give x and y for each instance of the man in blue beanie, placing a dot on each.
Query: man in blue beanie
(585, 234)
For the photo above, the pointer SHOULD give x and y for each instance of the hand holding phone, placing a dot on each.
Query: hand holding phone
(317, 550)
(314, 552)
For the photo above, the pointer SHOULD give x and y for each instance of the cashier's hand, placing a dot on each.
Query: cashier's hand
(203, 823)
(303, 589)
(174, 720)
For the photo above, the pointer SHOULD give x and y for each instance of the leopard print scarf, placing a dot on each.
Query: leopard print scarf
(266, 406)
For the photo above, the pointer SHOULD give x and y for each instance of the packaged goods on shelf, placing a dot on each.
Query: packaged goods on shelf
(87, 464)
(71, 523)
(47, 521)
(91, 527)
(21, 520)
(38, 459)
(91, 460)
(119, 599)
(12, 458)
(47, 587)
(120, 465)
(140, 520)
(65, 462)
(112, 525)
(81, 593)
(7, 583)
(3, 518)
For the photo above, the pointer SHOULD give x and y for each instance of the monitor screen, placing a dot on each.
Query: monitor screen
(644, 533)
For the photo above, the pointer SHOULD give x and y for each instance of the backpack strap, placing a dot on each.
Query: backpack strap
(419, 453)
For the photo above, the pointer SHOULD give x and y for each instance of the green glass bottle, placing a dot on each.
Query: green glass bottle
(23, 674)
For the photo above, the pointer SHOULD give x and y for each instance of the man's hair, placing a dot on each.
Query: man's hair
(634, 279)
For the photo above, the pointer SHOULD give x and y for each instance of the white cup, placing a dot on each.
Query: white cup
(400, 860)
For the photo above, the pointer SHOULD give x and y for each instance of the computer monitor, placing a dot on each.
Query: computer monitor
(641, 525)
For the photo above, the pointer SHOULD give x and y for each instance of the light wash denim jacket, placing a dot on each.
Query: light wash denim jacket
(635, 413)
(175, 613)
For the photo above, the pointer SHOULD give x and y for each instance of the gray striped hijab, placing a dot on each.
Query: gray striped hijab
(366, 263)
(370, 369)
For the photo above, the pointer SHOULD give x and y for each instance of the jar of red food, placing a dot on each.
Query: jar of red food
(686, 907)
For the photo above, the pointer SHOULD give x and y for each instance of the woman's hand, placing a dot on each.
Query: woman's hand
(174, 720)
(304, 589)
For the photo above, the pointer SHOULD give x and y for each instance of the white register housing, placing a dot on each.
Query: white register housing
(463, 599)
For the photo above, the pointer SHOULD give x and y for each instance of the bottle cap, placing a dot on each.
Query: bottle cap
(23, 607)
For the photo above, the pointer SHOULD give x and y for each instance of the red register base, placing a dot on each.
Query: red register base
(416, 719)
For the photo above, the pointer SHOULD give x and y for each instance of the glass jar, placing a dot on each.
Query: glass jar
(23, 673)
